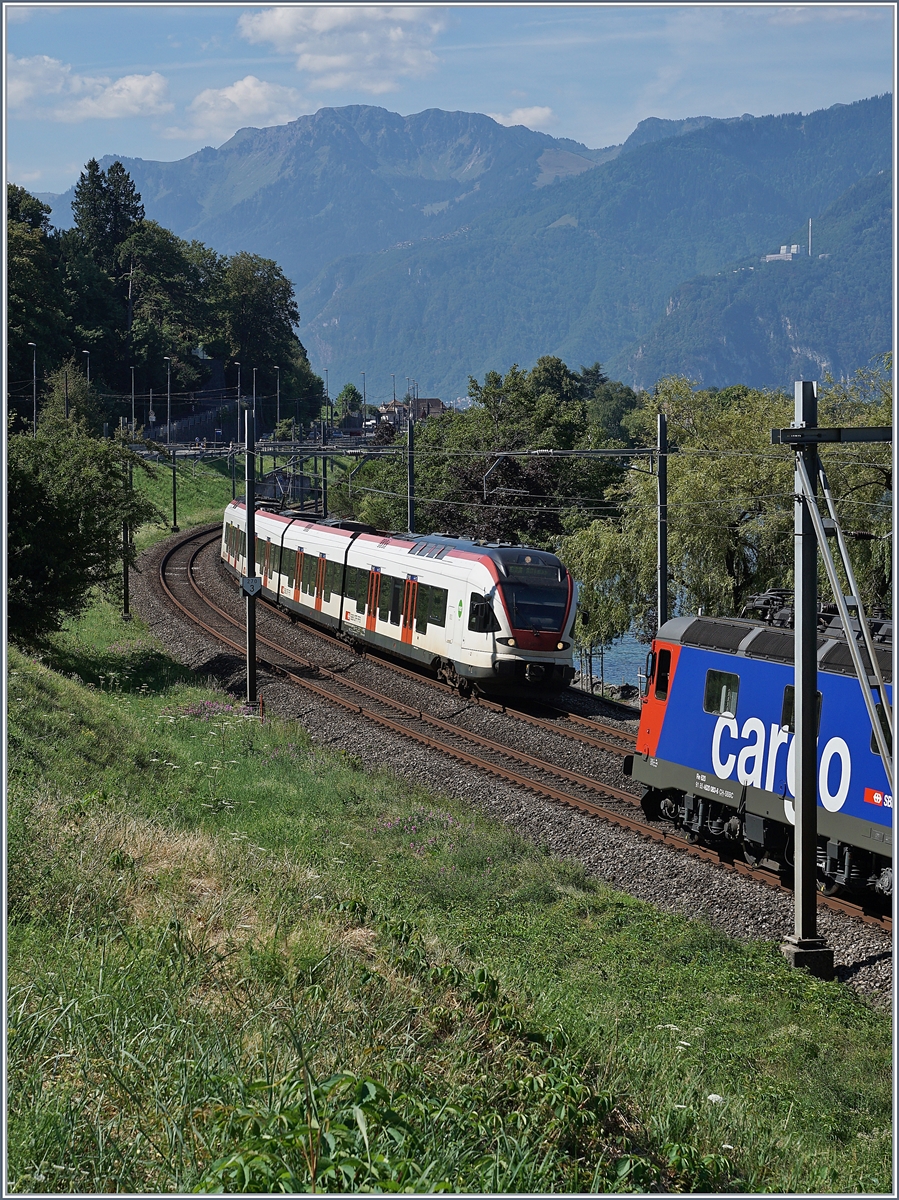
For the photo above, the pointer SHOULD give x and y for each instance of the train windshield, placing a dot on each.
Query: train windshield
(536, 596)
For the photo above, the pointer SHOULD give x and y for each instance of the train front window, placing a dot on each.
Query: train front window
(536, 596)
(721, 691)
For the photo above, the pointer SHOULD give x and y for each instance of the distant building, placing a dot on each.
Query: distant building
(787, 254)
(397, 413)
(427, 406)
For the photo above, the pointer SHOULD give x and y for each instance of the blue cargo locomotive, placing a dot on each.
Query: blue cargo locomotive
(715, 746)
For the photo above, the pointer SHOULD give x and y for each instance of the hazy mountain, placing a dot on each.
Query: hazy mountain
(346, 180)
(586, 269)
(443, 244)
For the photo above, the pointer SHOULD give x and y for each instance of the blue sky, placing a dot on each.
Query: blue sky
(160, 81)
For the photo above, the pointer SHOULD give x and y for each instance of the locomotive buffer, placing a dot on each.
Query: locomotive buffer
(804, 948)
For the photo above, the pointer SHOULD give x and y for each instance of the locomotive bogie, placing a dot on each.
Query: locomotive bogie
(446, 604)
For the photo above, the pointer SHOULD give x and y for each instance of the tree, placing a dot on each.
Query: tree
(67, 389)
(349, 400)
(106, 208)
(730, 515)
(67, 502)
(36, 311)
(259, 310)
(523, 498)
(89, 205)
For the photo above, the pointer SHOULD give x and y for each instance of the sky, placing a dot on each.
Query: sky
(160, 81)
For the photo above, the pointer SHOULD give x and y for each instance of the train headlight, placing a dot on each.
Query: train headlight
(510, 642)
(507, 641)
(561, 645)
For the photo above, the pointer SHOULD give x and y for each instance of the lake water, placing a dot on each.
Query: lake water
(625, 660)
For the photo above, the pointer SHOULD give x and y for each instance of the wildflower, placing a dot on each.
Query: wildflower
(714, 1098)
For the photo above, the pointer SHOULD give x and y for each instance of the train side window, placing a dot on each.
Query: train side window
(884, 725)
(721, 690)
(788, 710)
(289, 565)
(437, 615)
(384, 598)
(357, 587)
(662, 673)
(274, 566)
(396, 602)
(422, 607)
(481, 618)
(333, 572)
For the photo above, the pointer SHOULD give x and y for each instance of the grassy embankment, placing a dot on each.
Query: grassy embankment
(238, 960)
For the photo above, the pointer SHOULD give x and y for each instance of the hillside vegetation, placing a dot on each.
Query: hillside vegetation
(237, 961)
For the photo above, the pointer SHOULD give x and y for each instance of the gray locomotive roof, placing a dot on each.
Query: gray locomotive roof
(757, 639)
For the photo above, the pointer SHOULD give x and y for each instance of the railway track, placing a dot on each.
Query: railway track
(502, 760)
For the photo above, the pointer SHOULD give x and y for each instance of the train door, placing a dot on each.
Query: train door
(410, 598)
(374, 593)
(320, 581)
(266, 563)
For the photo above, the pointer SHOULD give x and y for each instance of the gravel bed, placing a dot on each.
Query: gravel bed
(740, 907)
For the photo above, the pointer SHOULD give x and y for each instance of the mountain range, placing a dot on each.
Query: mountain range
(443, 244)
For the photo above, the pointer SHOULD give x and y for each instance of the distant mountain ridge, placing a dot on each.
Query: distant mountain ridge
(350, 180)
(585, 269)
(443, 244)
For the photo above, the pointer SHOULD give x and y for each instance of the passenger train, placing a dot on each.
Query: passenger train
(715, 745)
(486, 617)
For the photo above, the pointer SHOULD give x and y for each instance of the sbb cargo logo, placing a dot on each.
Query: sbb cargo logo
(881, 799)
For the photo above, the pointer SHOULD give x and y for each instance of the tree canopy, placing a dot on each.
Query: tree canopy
(474, 471)
(730, 495)
(132, 293)
(68, 496)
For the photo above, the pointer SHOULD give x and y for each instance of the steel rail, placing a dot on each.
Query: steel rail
(589, 808)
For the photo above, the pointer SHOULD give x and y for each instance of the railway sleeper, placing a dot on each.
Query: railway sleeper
(766, 843)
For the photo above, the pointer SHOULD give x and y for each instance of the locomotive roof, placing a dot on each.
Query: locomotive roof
(758, 639)
(503, 554)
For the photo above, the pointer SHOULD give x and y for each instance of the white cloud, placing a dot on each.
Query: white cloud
(366, 46)
(130, 96)
(35, 81)
(801, 14)
(217, 113)
(536, 117)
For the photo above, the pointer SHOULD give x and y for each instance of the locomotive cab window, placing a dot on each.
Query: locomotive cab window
(663, 673)
(885, 726)
(788, 710)
(721, 690)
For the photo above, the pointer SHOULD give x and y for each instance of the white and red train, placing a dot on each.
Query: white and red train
(491, 617)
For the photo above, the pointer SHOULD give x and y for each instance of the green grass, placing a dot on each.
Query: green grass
(219, 932)
(203, 491)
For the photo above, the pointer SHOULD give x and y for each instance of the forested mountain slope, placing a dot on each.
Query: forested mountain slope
(586, 269)
(759, 322)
